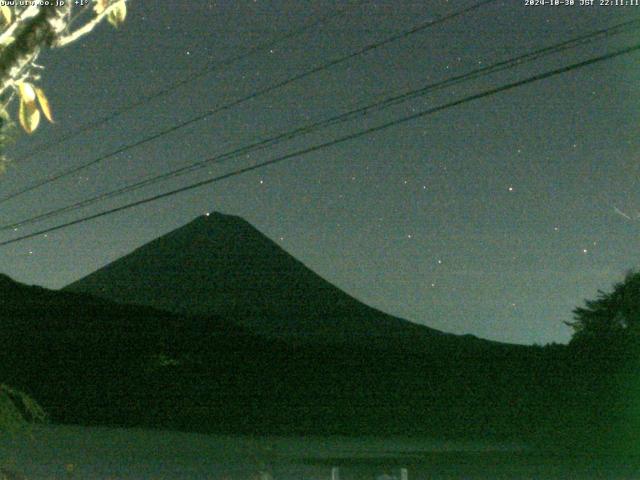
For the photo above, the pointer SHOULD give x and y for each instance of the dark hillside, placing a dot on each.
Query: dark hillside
(91, 361)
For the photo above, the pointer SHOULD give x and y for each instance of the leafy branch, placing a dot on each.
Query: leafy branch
(26, 32)
(17, 409)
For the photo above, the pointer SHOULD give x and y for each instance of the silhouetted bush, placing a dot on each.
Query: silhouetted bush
(604, 387)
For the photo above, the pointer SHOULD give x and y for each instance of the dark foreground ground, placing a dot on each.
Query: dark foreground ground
(103, 453)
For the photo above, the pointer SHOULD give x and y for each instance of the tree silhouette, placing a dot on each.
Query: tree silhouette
(604, 361)
(613, 316)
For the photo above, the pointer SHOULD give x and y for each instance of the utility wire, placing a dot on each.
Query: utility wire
(331, 143)
(347, 116)
(264, 46)
(244, 99)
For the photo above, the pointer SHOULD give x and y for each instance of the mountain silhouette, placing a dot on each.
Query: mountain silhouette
(214, 328)
(221, 265)
(316, 359)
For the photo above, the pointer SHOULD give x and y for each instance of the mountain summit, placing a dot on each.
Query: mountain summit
(221, 265)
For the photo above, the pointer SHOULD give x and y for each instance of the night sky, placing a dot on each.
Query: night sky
(495, 218)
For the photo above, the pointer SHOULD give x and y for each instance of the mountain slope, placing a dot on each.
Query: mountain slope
(220, 264)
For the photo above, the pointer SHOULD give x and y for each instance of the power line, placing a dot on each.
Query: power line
(331, 143)
(350, 115)
(246, 98)
(264, 46)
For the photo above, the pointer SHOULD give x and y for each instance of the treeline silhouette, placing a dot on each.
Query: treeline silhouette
(603, 375)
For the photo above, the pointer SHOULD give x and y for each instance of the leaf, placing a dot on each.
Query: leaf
(44, 104)
(6, 14)
(100, 6)
(27, 92)
(29, 116)
(17, 409)
(118, 13)
(28, 113)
